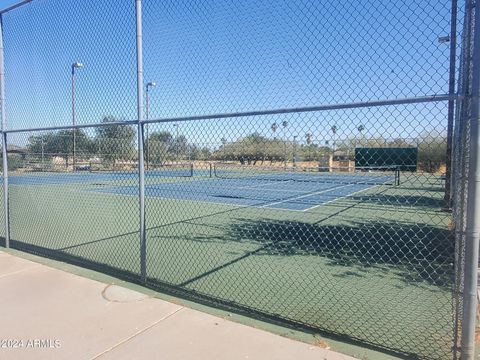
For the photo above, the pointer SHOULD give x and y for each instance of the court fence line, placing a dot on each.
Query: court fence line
(188, 232)
(472, 226)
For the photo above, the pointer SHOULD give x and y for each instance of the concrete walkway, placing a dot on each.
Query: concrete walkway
(47, 313)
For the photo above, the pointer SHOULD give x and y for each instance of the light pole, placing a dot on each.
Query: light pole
(147, 88)
(75, 65)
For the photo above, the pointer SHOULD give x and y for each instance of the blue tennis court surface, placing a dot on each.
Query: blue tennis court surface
(296, 192)
(286, 195)
(88, 177)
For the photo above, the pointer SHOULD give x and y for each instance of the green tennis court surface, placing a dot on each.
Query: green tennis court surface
(348, 265)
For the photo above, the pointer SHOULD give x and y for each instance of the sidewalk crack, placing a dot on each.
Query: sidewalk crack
(135, 334)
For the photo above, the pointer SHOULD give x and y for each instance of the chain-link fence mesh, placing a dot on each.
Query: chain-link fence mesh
(59, 212)
(461, 157)
(2, 210)
(258, 196)
(333, 249)
(235, 56)
(55, 35)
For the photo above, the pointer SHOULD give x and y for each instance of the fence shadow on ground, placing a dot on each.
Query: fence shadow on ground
(401, 200)
(418, 253)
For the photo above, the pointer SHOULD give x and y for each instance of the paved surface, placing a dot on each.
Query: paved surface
(47, 313)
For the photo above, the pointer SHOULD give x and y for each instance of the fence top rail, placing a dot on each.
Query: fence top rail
(14, 6)
(77, 126)
(373, 103)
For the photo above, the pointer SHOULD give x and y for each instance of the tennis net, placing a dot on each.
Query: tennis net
(174, 170)
(367, 175)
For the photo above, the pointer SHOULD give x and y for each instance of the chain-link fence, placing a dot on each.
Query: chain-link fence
(286, 160)
(88, 225)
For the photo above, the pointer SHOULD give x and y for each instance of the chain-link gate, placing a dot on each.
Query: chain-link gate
(302, 162)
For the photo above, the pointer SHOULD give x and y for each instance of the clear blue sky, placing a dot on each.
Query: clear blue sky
(6, 3)
(210, 57)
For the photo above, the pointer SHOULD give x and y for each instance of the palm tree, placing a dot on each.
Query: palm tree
(224, 141)
(308, 140)
(334, 132)
(360, 129)
(274, 128)
(285, 124)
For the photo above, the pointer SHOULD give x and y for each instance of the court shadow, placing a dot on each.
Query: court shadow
(416, 253)
(400, 200)
(84, 260)
(433, 188)
(343, 245)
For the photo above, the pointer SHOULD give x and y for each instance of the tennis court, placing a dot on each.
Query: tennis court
(283, 189)
(304, 164)
(286, 196)
(205, 231)
(84, 177)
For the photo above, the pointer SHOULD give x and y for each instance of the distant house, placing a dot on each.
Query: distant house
(14, 149)
(340, 155)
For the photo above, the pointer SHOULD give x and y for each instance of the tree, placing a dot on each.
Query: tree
(199, 153)
(180, 147)
(159, 144)
(274, 128)
(60, 144)
(360, 129)
(432, 153)
(163, 136)
(251, 149)
(334, 132)
(308, 138)
(285, 125)
(165, 147)
(115, 142)
(398, 143)
(205, 153)
(40, 143)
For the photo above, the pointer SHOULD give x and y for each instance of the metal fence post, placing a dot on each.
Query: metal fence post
(4, 138)
(451, 106)
(5, 190)
(473, 208)
(141, 165)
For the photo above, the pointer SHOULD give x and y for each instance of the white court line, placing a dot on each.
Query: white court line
(307, 195)
(233, 187)
(345, 196)
(248, 205)
(265, 184)
(272, 189)
(339, 198)
(108, 193)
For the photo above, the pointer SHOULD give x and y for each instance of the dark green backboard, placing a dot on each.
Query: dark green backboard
(403, 158)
